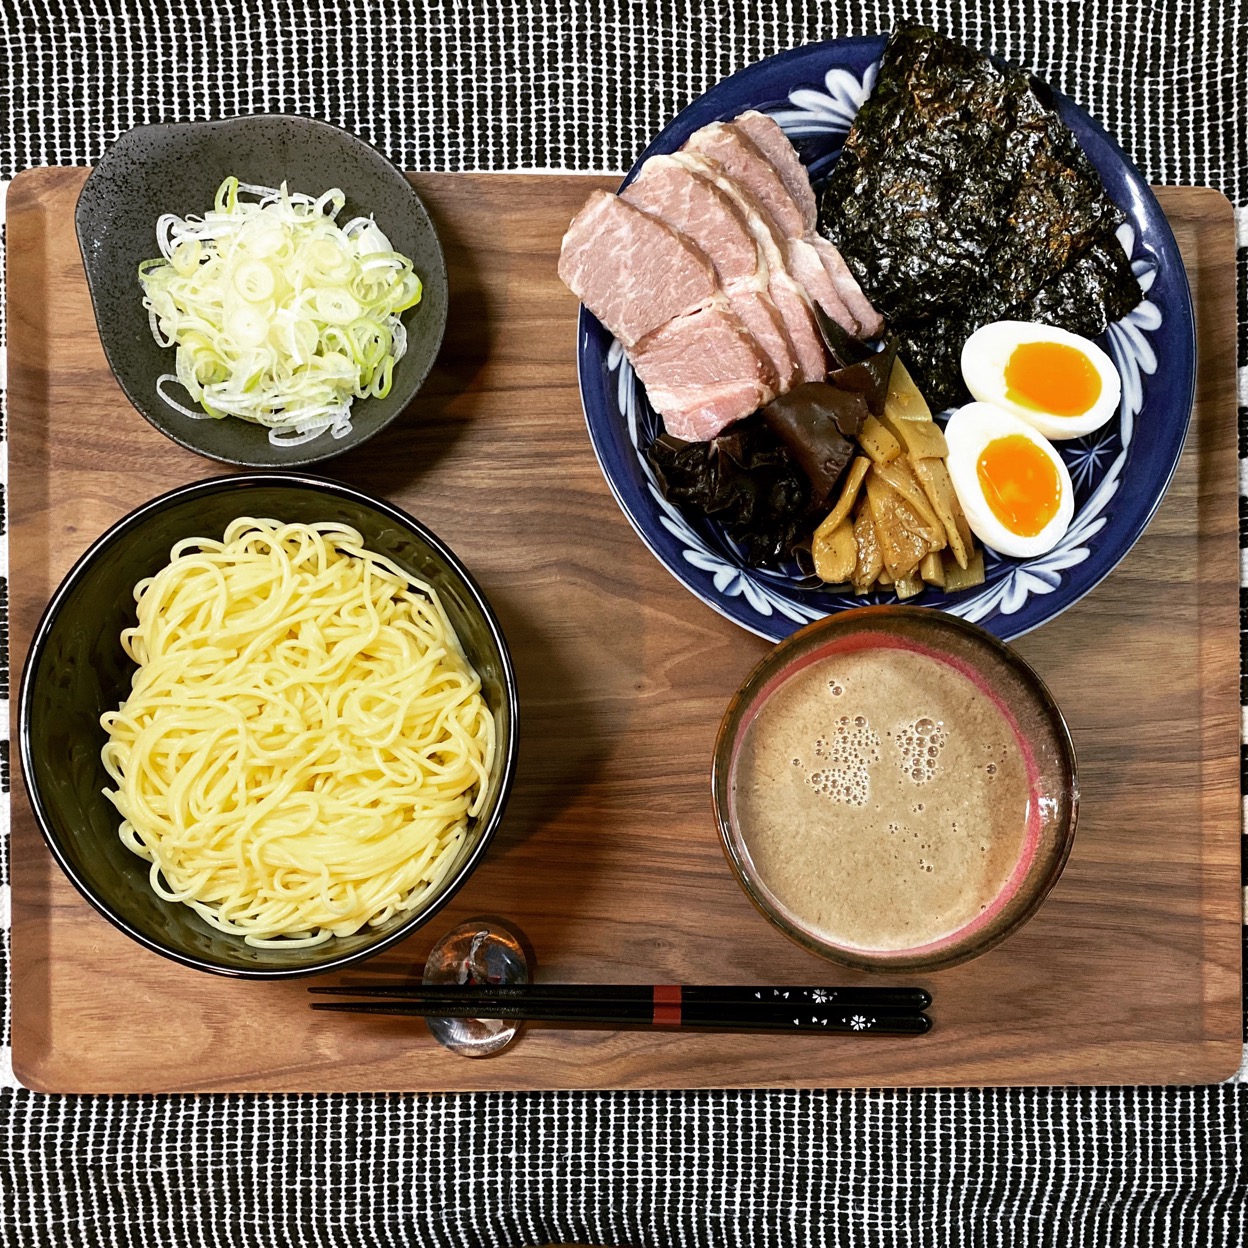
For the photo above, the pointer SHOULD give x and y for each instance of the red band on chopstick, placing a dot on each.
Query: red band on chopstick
(667, 1005)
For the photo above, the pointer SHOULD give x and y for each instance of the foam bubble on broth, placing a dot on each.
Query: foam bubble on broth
(883, 798)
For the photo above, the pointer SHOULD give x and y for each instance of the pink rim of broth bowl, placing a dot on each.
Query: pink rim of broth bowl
(1025, 703)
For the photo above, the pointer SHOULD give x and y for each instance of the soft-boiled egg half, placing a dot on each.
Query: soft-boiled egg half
(1010, 480)
(1059, 383)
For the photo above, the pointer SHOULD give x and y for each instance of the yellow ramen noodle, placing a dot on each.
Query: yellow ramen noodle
(304, 741)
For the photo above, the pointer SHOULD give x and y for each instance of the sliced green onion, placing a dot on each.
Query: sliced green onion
(279, 315)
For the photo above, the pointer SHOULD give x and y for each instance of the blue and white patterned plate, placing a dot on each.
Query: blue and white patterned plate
(1120, 473)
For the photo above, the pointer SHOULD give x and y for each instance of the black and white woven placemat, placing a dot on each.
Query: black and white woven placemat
(550, 84)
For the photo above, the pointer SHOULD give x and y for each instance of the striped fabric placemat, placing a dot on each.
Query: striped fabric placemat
(554, 85)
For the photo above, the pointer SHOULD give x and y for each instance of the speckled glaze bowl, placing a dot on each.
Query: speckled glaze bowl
(156, 169)
(1026, 704)
(77, 669)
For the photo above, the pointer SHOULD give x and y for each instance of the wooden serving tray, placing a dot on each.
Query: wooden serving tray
(608, 859)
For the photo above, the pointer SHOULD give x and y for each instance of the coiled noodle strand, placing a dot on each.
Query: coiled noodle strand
(304, 741)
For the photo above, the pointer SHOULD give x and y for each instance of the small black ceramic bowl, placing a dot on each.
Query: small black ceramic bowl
(156, 169)
(77, 670)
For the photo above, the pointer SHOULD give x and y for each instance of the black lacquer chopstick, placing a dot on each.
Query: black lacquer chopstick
(706, 1015)
(878, 998)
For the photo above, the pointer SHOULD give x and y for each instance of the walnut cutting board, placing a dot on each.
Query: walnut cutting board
(608, 859)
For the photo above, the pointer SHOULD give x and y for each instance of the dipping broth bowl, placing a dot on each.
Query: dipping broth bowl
(895, 789)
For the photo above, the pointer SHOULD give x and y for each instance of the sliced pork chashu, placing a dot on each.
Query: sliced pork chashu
(697, 208)
(702, 372)
(755, 152)
(786, 292)
(773, 143)
(765, 133)
(730, 147)
(658, 293)
(631, 270)
(706, 269)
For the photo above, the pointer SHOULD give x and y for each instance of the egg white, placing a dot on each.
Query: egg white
(969, 430)
(987, 351)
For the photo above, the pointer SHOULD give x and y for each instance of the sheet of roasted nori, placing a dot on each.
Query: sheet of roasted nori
(746, 479)
(962, 198)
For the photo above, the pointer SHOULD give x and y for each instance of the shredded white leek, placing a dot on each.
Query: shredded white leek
(279, 315)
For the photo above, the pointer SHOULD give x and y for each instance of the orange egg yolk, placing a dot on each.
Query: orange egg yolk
(1052, 377)
(1020, 484)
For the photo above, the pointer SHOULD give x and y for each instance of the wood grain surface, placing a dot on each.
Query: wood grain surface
(608, 859)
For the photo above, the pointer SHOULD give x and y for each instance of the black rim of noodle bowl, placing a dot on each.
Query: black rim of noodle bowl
(177, 167)
(317, 959)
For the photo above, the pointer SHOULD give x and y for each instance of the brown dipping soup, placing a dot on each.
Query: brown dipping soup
(887, 803)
